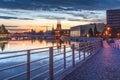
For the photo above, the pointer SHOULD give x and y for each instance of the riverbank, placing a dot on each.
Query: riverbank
(80, 39)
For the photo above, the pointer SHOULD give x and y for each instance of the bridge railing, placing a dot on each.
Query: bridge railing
(46, 66)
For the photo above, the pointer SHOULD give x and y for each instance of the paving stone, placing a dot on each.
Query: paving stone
(105, 65)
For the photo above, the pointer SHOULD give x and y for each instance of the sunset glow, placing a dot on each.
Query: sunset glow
(29, 14)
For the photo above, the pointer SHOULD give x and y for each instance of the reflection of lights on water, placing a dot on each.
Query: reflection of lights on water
(23, 44)
(8, 45)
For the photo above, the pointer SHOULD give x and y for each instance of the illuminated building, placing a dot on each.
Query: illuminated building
(83, 30)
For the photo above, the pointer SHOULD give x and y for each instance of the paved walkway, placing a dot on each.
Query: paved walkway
(103, 66)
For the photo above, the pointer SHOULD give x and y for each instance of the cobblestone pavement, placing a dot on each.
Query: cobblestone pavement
(105, 65)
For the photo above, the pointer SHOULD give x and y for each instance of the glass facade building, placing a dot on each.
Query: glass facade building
(113, 18)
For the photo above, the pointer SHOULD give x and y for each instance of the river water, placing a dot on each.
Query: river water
(6, 46)
(17, 45)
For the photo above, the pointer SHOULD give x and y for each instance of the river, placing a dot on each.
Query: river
(15, 45)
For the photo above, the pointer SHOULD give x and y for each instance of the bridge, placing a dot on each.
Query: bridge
(46, 63)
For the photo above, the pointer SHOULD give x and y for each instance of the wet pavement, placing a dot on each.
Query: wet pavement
(105, 65)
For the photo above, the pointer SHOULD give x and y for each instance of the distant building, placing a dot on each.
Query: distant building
(49, 32)
(88, 30)
(58, 28)
(58, 31)
(61, 32)
(65, 32)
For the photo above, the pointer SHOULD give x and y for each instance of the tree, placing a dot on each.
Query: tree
(90, 32)
(3, 30)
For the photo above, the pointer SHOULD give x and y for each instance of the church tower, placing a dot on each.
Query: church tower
(58, 29)
(58, 25)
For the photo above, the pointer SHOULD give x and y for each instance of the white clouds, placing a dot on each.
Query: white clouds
(79, 16)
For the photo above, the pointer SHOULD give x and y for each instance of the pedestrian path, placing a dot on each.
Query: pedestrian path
(105, 65)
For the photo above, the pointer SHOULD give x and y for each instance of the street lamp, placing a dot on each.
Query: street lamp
(108, 28)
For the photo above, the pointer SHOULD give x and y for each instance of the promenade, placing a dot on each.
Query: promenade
(105, 65)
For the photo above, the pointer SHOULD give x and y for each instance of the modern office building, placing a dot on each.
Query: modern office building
(113, 18)
(86, 30)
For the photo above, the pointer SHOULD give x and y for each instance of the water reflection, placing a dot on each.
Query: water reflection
(14, 45)
(2, 45)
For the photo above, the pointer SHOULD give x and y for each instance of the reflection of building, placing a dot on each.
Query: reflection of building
(113, 20)
(83, 30)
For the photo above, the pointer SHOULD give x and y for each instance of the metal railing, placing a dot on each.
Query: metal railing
(55, 62)
(115, 44)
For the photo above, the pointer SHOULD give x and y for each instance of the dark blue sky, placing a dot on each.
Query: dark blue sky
(46, 12)
(58, 4)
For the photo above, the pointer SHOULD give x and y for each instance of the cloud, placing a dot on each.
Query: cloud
(72, 19)
(8, 17)
(18, 29)
(10, 27)
(52, 17)
(60, 5)
(71, 10)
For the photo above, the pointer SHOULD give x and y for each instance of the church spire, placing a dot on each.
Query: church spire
(58, 25)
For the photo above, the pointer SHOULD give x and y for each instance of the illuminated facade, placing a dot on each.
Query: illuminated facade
(83, 30)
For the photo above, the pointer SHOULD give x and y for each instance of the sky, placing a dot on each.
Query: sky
(23, 15)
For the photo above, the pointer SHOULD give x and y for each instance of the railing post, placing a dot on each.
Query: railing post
(84, 51)
(73, 55)
(64, 56)
(101, 43)
(51, 72)
(93, 44)
(91, 48)
(79, 52)
(28, 65)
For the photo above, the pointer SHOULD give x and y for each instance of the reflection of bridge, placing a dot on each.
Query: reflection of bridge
(17, 36)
